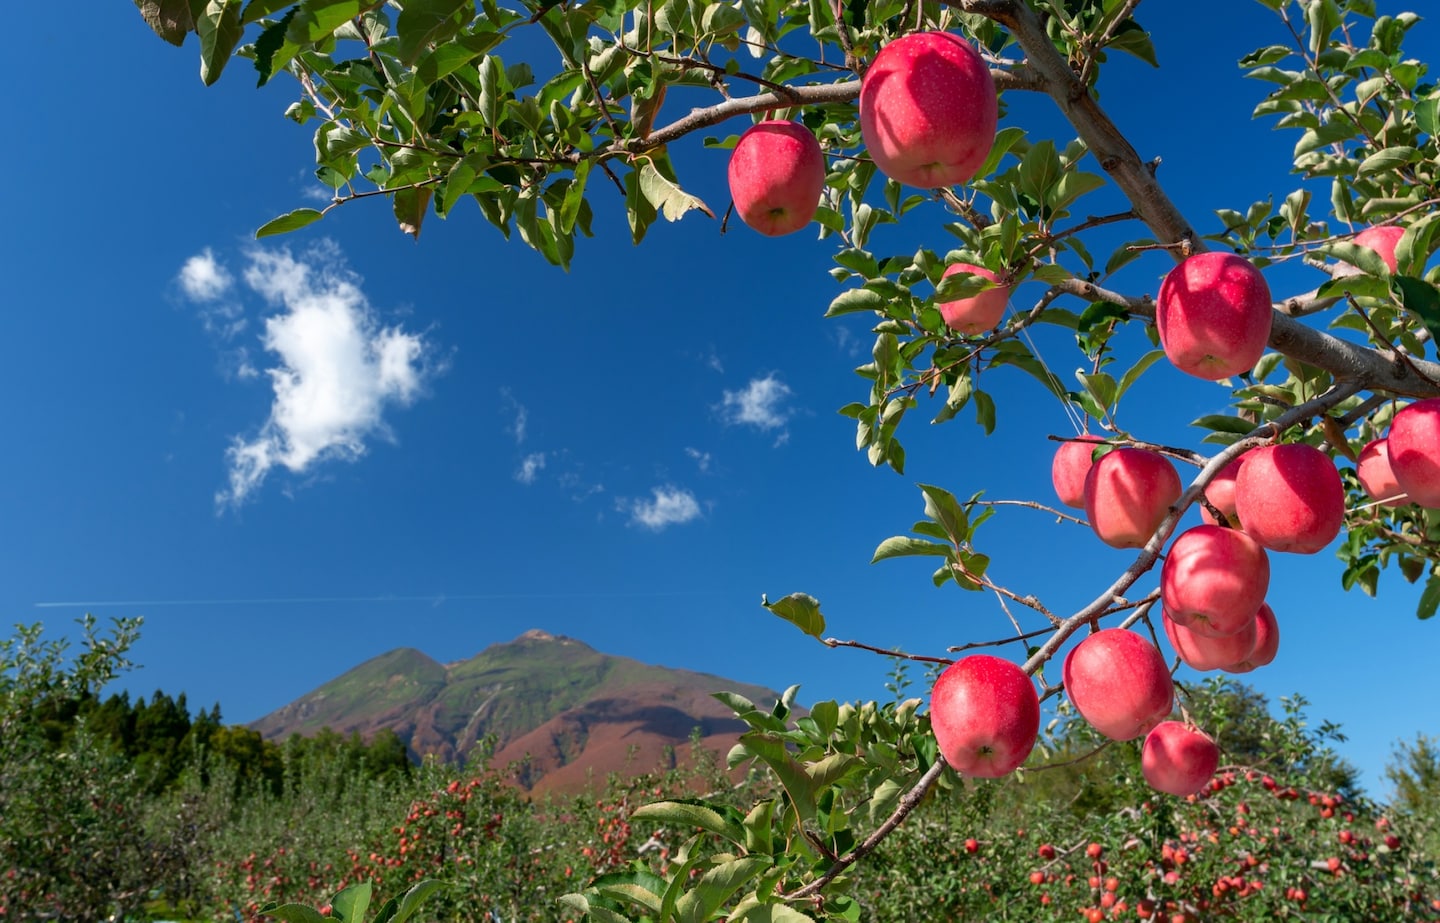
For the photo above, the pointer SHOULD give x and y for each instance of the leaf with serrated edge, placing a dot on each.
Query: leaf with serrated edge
(290, 221)
(800, 610)
(350, 905)
(691, 814)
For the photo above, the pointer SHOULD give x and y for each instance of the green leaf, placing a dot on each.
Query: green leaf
(1224, 424)
(692, 813)
(758, 827)
(942, 507)
(318, 19)
(1420, 298)
(454, 54)
(902, 546)
(752, 911)
(257, 10)
(410, 205)
(1133, 374)
(770, 749)
(290, 221)
(1388, 160)
(349, 905)
(1430, 597)
(716, 887)
(669, 199)
(172, 20)
(596, 913)
(272, 50)
(425, 22)
(985, 411)
(1427, 116)
(294, 913)
(886, 797)
(410, 903)
(1323, 18)
(856, 299)
(800, 610)
(219, 29)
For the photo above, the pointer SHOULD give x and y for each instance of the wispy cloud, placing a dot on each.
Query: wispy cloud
(761, 404)
(519, 416)
(335, 368)
(530, 467)
(202, 278)
(669, 506)
(701, 459)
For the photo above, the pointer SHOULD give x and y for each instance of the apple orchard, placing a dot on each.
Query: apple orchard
(851, 115)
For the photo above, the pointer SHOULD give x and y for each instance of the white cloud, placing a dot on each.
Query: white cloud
(202, 278)
(521, 418)
(702, 459)
(336, 369)
(759, 404)
(530, 467)
(671, 506)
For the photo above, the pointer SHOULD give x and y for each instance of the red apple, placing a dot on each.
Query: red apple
(1376, 476)
(1067, 471)
(1214, 580)
(1221, 494)
(1178, 759)
(1203, 652)
(777, 173)
(1290, 497)
(985, 715)
(928, 110)
(1267, 643)
(1383, 241)
(978, 313)
(1213, 315)
(1415, 451)
(1127, 494)
(1119, 683)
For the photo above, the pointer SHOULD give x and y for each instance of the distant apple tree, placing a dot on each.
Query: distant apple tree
(875, 112)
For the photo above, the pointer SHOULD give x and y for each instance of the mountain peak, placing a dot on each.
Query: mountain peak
(537, 634)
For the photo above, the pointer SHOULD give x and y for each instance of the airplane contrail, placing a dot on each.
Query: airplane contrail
(297, 600)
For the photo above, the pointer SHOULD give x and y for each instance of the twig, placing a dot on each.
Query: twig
(908, 802)
(899, 655)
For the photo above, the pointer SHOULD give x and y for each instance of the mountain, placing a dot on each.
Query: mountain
(575, 713)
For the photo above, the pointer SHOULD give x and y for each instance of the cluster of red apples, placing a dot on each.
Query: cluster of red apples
(1213, 314)
(928, 114)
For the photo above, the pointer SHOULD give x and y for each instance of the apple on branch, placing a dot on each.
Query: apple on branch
(777, 173)
(979, 312)
(1415, 451)
(1267, 643)
(1372, 468)
(1290, 497)
(1070, 466)
(1214, 580)
(1119, 683)
(985, 714)
(1213, 315)
(1178, 759)
(1207, 652)
(928, 110)
(1128, 492)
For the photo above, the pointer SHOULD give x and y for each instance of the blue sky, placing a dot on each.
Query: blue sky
(292, 456)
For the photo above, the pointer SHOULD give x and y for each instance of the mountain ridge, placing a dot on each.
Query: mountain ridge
(560, 710)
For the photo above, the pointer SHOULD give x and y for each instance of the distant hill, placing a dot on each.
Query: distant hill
(575, 712)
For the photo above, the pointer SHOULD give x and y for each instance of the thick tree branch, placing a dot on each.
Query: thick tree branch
(1343, 359)
(1020, 78)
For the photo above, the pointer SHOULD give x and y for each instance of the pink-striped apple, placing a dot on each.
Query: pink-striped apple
(1290, 497)
(928, 110)
(1119, 683)
(1373, 469)
(1383, 241)
(1178, 759)
(777, 173)
(1068, 469)
(1214, 580)
(1213, 315)
(980, 312)
(1221, 494)
(985, 715)
(1415, 451)
(1204, 652)
(1267, 643)
(1127, 494)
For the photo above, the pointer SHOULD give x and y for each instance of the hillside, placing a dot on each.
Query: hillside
(570, 710)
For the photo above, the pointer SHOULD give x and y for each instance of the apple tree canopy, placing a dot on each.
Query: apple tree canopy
(529, 109)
